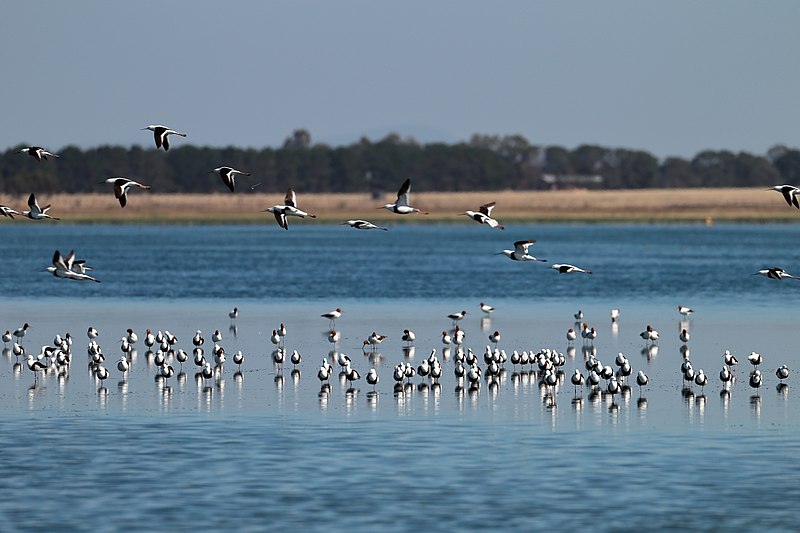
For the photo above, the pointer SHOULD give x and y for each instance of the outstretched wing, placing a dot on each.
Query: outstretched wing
(291, 198)
(521, 247)
(787, 195)
(402, 194)
(793, 194)
(58, 261)
(70, 259)
(226, 173)
(281, 218)
(32, 203)
(157, 135)
(486, 209)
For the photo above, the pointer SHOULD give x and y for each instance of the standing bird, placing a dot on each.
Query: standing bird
(730, 359)
(641, 380)
(408, 337)
(401, 206)
(789, 193)
(685, 311)
(161, 135)
(755, 359)
(484, 216)
(289, 208)
(571, 335)
(228, 175)
(372, 377)
(455, 317)
(577, 379)
(614, 315)
(8, 212)
(564, 268)
(37, 152)
(782, 372)
(775, 273)
(486, 308)
(332, 315)
(520, 252)
(121, 186)
(19, 333)
(234, 313)
(36, 212)
(362, 224)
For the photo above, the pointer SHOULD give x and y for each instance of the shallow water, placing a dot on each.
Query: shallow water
(264, 449)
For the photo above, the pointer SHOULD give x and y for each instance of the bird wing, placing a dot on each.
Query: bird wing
(521, 247)
(58, 261)
(32, 203)
(793, 194)
(486, 209)
(227, 177)
(157, 135)
(281, 218)
(787, 195)
(70, 259)
(165, 143)
(291, 198)
(122, 195)
(402, 194)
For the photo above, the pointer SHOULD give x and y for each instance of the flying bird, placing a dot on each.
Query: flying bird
(775, 273)
(121, 186)
(569, 269)
(161, 135)
(8, 212)
(401, 206)
(520, 252)
(37, 152)
(68, 268)
(288, 209)
(362, 224)
(36, 212)
(228, 175)
(484, 216)
(789, 193)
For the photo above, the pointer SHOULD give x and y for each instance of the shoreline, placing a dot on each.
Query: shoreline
(706, 206)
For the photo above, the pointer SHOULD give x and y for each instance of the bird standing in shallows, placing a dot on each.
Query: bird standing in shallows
(36, 212)
(614, 315)
(774, 273)
(486, 308)
(484, 216)
(520, 252)
(228, 175)
(401, 206)
(121, 186)
(564, 268)
(161, 135)
(782, 372)
(685, 311)
(789, 193)
(69, 268)
(288, 209)
(362, 224)
(37, 152)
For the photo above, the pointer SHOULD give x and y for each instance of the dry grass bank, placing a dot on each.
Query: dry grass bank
(573, 205)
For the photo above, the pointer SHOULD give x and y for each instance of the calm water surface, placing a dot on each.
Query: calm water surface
(257, 448)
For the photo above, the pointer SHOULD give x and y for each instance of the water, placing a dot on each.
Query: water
(262, 449)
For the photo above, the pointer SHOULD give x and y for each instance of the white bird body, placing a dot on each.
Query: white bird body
(288, 209)
(401, 205)
(362, 224)
(564, 268)
(69, 268)
(161, 135)
(685, 311)
(775, 273)
(35, 212)
(484, 215)
(37, 152)
(789, 193)
(520, 252)
(121, 186)
(228, 175)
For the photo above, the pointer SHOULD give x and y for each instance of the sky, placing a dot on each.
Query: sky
(673, 78)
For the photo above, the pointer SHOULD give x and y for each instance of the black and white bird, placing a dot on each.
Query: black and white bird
(685, 311)
(564, 268)
(37, 152)
(8, 212)
(789, 193)
(289, 208)
(35, 212)
(455, 317)
(121, 186)
(401, 206)
(228, 175)
(372, 377)
(775, 273)
(68, 268)
(520, 252)
(782, 372)
(641, 379)
(486, 308)
(362, 224)
(484, 215)
(161, 134)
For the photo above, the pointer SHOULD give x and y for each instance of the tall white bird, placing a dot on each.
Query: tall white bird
(121, 186)
(37, 152)
(564, 268)
(228, 175)
(161, 135)
(520, 252)
(775, 273)
(362, 224)
(401, 206)
(484, 215)
(35, 212)
(289, 208)
(789, 193)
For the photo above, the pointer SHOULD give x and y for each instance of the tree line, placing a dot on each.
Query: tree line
(485, 162)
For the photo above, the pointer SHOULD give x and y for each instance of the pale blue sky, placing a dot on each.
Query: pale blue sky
(670, 77)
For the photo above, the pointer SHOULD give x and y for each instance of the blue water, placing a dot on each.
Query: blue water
(257, 448)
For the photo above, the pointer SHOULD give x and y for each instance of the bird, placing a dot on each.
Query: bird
(685, 311)
(484, 215)
(161, 135)
(775, 273)
(577, 379)
(701, 379)
(641, 380)
(8, 212)
(121, 186)
(334, 336)
(579, 315)
(35, 365)
(789, 193)
(132, 337)
(455, 317)
(372, 377)
(730, 359)
(755, 379)
(725, 374)
(296, 358)
(408, 337)
(362, 224)
(36, 212)
(755, 359)
(684, 336)
(216, 336)
(571, 335)
(401, 206)
(782, 372)
(234, 313)
(123, 365)
(614, 315)
(486, 308)
(228, 175)
(19, 333)
(332, 315)
(374, 340)
(520, 252)
(68, 268)
(238, 358)
(7, 337)
(564, 268)
(289, 208)
(446, 339)
(92, 333)
(37, 152)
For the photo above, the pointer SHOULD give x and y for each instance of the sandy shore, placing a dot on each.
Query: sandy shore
(656, 205)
